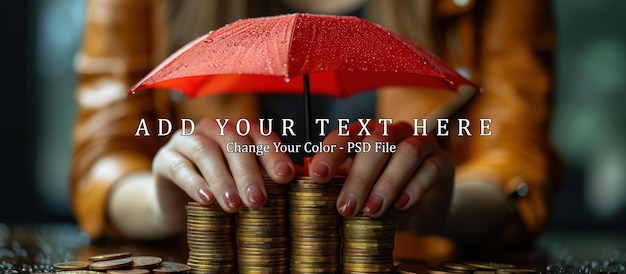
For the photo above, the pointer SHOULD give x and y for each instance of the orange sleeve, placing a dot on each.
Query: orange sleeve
(507, 48)
(115, 53)
(515, 42)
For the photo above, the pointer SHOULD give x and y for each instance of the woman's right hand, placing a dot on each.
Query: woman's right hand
(200, 165)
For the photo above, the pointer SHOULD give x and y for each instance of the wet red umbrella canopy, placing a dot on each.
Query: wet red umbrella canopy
(341, 55)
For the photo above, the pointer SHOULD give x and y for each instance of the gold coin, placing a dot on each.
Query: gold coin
(387, 267)
(490, 265)
(111, 256)
(146, 262)
(441, 270)
(263, 269)
(172, 267)
(80, 272)
(217, 252)
(111, 264)
(71, 265)
(129, 271)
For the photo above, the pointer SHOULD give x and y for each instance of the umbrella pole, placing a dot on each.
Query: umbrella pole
(307, 106)
(307, 121)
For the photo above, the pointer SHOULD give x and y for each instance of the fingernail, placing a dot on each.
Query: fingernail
(321, 169)
(255, 195)
(232, 199)
(282, 169)
(373, 204)
(402, 200)
(347, 205)
(206, 196)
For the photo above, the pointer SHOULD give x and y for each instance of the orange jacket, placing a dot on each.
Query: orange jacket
(504, 46)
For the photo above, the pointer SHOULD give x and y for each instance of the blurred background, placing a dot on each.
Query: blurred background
(589, 126)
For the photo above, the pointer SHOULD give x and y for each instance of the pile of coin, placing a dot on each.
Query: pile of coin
(314, 226)
(211, 239)
(262, 234)
(368, 243)
(121, 263)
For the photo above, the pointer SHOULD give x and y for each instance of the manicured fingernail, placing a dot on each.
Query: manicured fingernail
(282, 169)
(206, 196)
(255, 195)
(232, 199)
(347, 205)
(321, 169)
(402, 200)
(373, 204)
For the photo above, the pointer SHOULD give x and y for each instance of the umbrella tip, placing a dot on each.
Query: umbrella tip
(134, 89)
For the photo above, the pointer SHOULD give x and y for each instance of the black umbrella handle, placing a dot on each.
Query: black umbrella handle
(307, 107)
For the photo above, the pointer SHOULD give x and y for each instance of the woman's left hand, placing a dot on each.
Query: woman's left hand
(418, 172)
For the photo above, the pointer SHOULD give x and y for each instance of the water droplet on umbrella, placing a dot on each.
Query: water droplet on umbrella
(287, 79)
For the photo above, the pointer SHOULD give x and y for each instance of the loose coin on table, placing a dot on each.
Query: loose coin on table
(80, 272)
(173, 267)
(146, 262)
(129, 271)
(110, 256)
(71, 265)
(111, 264)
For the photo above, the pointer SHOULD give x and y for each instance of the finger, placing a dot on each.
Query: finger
(172, 166)
(345, 167)
(277, 165)
(243, 166)
(433, 173)
(324, 166)
(365, 169)
(402, 165)
(209, 160)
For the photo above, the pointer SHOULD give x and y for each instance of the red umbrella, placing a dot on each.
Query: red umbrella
(341, 55)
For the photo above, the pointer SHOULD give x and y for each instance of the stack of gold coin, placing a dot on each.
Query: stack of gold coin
(314, 226)
(262, 234)
(211, 239)
(368, 243)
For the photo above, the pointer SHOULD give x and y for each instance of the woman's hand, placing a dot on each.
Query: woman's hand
(418, 172)
(200, 165)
